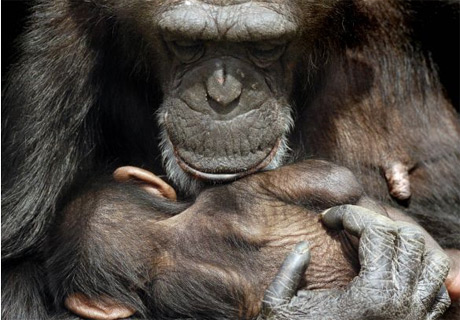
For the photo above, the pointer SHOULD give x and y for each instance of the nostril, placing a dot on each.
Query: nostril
(219, 75)
(223, 88)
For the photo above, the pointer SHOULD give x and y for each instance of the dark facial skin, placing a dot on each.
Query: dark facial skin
(226, 79)
(99, 81)
(211, 263)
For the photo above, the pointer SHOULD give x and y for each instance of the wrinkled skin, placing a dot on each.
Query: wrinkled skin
(215, 259)
(222, 82)
(416, 292)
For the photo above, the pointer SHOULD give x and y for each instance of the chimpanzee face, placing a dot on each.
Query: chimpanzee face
(226, 70)
(226, 112)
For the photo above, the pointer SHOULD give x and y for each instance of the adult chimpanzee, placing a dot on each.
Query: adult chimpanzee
(222, 77)
(215, 261)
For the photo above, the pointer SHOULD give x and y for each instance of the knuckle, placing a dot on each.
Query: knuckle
(438, 264)
(411, 232)
(381, 236)
(442, 262)
(360, 218)
(384, 229)
(440, 257)
(346, 211)
(370, 217)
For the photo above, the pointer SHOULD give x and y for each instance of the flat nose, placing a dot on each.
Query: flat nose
(223, 89)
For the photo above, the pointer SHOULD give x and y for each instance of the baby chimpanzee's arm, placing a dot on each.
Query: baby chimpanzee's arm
(115, 232)
(106, 234)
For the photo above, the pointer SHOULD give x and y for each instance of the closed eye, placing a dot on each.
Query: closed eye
(187, 51)
(264, 54)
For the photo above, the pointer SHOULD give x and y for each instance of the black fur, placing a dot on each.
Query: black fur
(65, 119)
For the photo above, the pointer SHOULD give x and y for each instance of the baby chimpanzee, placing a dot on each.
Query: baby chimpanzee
(217, 257)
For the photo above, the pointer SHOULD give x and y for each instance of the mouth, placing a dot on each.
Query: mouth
(227, 176)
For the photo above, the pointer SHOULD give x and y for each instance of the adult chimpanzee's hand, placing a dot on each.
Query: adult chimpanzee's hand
(399, 279)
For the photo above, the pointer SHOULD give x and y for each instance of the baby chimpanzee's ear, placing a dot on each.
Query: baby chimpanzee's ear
(100, 309)
(149, 182)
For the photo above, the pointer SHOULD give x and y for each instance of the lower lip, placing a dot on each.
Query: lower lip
(224, 177)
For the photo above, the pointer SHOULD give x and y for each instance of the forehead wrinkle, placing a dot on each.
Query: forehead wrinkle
(234, 22)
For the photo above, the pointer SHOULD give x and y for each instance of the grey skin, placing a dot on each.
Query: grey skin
(343, 142)
(401, 273)
(399, 278)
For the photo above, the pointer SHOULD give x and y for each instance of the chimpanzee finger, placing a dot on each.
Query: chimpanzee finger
(287, 280)
(440, 305)
(355, 219)
(377, 235)
(410, 244)
(430, 289)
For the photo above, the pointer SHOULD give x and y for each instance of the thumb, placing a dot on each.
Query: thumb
(287, 280)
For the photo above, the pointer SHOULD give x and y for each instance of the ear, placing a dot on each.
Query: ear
(150, 182)
(101, 309)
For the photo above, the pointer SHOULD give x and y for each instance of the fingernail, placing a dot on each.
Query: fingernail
(322, 214)
(302, 247)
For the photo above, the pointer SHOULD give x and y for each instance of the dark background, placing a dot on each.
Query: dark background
(436, 26)
(14, 13)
